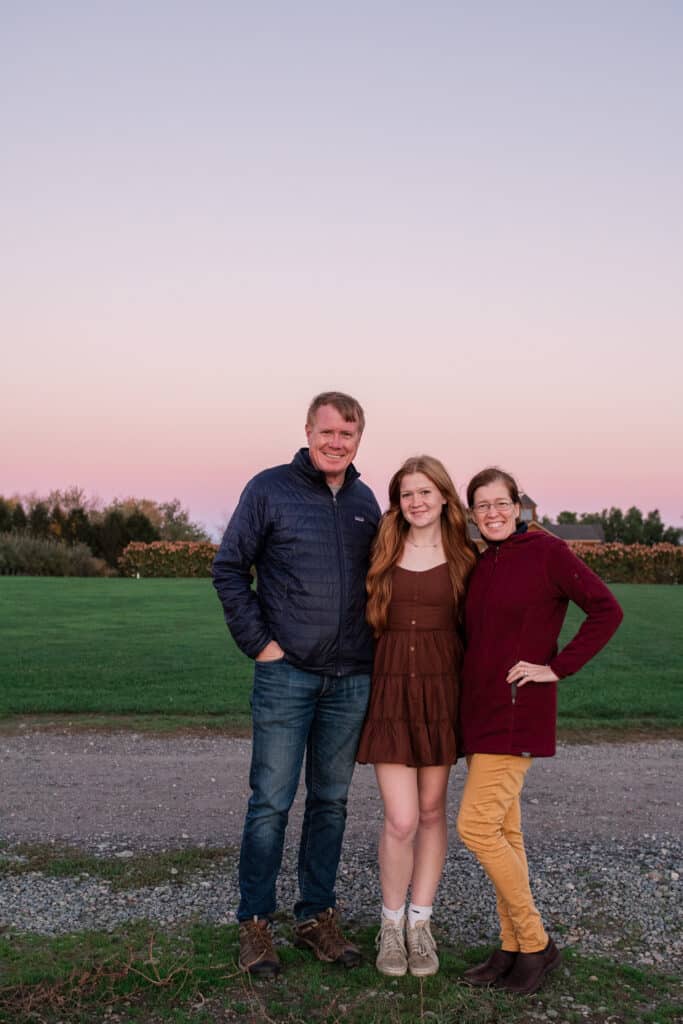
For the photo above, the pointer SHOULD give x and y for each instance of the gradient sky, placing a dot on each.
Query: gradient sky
(467, 215)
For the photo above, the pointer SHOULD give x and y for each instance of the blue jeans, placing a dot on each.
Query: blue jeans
(297, 712)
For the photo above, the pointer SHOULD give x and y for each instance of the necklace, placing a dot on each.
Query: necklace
(414, 545)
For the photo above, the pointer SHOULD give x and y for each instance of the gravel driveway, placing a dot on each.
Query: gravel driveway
(603, 825)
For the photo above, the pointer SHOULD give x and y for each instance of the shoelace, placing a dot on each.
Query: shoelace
(425, 942)
(260, 940)
(331, 934)
(392, 939)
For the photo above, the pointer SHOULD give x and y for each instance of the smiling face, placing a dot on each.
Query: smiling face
(494, 511)
(421, 500)
(332, 443)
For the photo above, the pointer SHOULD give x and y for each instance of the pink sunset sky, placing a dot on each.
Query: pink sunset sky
(469, 219)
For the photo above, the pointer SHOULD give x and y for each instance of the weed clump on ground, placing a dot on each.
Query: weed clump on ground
(138, 974)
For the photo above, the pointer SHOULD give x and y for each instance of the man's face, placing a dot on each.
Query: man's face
(332, 442)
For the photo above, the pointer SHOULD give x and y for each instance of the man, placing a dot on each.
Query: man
(307, 528)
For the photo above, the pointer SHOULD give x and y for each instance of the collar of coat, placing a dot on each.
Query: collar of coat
(302, 464)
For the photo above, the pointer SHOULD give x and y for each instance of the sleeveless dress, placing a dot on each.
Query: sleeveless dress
(411, 717)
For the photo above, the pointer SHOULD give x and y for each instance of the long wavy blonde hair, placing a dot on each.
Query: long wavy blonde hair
(391, 536)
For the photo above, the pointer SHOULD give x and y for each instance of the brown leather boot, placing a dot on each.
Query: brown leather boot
(258, 955)
(529, 971)
(498, 965)
(324, 936)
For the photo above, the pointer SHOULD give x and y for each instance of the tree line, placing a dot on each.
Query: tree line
(69, 517)
(630, 527)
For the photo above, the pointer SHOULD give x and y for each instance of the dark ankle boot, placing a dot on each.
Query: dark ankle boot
(529, 971)
(498, 965)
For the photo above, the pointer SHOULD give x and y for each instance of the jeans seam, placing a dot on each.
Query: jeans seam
(310, 792)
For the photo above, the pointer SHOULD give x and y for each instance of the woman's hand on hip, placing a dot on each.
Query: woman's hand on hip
(523, 672)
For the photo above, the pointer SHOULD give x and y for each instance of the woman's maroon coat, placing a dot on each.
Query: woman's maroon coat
(516, 604)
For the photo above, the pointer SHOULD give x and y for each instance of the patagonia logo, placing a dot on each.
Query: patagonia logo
(359, 519)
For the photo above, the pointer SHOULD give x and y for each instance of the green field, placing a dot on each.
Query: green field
(118, 647)
(160, 649)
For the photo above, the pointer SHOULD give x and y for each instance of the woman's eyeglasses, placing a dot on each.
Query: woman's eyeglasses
(502, 505)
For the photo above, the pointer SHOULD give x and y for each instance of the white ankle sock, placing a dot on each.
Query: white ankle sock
(393, 915)
(416, 914)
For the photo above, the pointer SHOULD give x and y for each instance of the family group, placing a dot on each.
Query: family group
(387, 639)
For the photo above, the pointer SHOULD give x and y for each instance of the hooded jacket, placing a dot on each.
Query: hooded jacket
(311, 551)
(516, 604)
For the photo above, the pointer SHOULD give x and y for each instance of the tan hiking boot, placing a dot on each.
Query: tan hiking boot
(257, 953)
(422, 958)
(392, 958)
(323, 935)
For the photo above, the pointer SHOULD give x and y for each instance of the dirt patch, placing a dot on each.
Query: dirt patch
(150, 792)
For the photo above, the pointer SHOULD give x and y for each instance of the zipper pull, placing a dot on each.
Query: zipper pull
(513, 690)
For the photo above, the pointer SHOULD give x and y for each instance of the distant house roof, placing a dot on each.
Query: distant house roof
(577, 531)
(526, 501)
(570, 532)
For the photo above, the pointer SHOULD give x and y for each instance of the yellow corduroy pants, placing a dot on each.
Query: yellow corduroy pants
(490, 825)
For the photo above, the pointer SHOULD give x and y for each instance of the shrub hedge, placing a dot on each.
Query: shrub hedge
(23, 555)
(634, 563)
(615, 563)
(168, 558)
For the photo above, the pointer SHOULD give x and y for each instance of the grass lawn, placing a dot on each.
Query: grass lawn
(637, 680)
(158, 651)
(190, 975)
(118, 647)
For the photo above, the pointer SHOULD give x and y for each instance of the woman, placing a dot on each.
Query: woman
(421, 559)
(516, 604)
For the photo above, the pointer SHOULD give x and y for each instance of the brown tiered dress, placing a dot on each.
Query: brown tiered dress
(411, 716)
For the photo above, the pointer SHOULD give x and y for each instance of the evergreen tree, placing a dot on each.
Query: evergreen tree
(57, 522)
(140, 528)
(110, 537)
(653, 528)
(5, 516)
(633, 526)
(566, 518)
(19, 518)
(613, 524)
(78, 528)
(39, 520)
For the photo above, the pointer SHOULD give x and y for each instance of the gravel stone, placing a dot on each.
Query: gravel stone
(603, 826)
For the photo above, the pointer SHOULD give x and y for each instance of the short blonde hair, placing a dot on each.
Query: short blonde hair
(346, 406)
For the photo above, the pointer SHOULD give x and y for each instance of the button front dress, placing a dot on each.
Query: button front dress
(411, 716)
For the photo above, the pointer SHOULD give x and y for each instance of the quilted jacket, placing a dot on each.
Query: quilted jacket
(311, 551)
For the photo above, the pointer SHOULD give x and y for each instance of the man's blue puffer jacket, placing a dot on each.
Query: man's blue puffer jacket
(311, 553)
